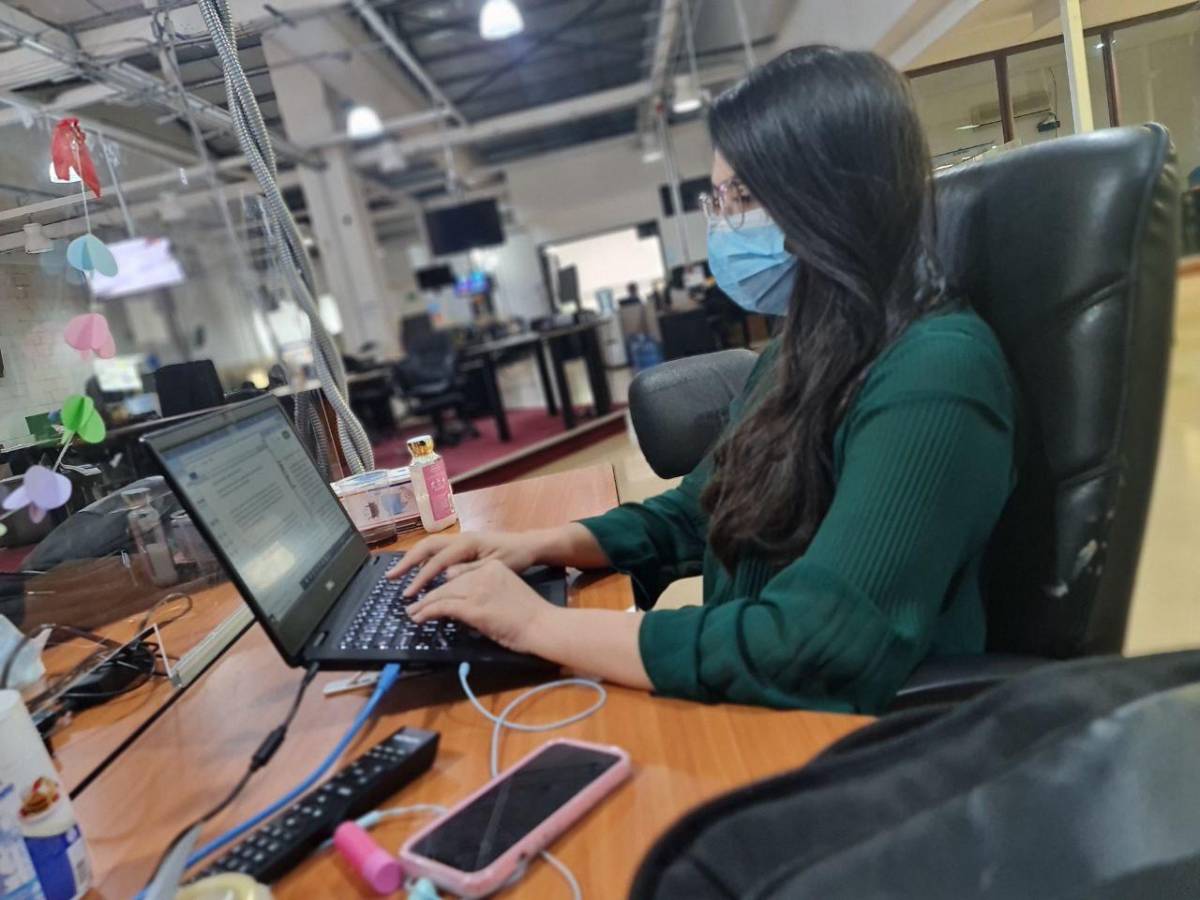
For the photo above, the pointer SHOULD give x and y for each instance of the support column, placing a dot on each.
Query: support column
(341, 221)
(1077, 71)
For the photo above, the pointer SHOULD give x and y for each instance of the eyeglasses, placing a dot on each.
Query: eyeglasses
(729, 202)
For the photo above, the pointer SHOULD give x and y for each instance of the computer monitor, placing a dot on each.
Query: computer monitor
(119, 375)
(251, 481)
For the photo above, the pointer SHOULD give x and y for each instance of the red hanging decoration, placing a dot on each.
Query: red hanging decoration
(68, 150)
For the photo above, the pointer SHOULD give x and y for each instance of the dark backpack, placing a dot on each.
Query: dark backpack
(1078, 780)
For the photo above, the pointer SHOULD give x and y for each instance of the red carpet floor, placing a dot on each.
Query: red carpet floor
(528, 427)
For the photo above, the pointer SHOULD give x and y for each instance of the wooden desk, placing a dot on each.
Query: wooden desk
(683, 752)
(94, 735)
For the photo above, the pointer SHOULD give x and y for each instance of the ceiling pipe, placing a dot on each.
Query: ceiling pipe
(660, 62)
(515, 123)
(410, 62)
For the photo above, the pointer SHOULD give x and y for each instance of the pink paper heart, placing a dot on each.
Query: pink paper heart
(90, 333)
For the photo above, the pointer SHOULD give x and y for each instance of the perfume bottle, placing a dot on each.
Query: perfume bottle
(431, 485)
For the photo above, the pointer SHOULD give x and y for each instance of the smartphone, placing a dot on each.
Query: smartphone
(477, 846)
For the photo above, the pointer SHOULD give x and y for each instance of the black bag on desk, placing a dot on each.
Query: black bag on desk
(1079, 780)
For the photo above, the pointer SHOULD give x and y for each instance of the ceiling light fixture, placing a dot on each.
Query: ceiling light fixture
(35, 239)
(362, 122)
(391, 158)
(500, 19)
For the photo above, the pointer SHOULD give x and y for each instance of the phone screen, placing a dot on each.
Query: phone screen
(479, 834)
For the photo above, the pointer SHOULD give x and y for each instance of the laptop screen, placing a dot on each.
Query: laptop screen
(255, 492)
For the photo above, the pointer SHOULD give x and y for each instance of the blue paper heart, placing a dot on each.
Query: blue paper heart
(87, 253)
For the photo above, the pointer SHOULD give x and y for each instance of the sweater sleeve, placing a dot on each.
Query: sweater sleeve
(663, 539)
(659, 540)
(926, 469)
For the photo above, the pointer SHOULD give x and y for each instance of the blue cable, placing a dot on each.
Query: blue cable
(387, 678)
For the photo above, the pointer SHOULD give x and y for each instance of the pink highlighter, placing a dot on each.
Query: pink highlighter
(377, 867)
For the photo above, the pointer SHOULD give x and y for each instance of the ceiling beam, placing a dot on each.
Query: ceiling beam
(65, 228)
(933, 29)
(515, 123)
(125, 79)
(410, 63)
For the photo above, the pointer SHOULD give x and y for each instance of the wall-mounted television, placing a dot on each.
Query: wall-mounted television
(143, 264)
(457, 229)
(434, 278)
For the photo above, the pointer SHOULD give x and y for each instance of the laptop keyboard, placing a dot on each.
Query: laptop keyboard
(382, 621)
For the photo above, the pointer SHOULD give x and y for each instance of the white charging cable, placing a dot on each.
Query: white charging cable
(500, 722)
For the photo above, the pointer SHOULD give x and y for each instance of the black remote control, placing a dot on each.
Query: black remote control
(282, 843)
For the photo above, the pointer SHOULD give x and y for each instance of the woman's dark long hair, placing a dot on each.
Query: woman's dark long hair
(828, 142)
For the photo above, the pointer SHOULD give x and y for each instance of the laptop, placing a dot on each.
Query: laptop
(321, 596)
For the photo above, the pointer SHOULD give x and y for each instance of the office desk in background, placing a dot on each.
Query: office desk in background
(683, 753)
(554, 343)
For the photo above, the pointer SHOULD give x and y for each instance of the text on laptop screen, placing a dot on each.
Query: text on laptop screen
(265, 503)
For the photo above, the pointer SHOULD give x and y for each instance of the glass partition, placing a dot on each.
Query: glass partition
(119, 560)
(960, 109)
(1158, 77)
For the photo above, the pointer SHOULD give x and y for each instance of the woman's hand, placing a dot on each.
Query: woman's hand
(442, 553)
(491, 598)
(494, 600)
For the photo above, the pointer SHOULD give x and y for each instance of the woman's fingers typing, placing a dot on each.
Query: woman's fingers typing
(423, 549)
(456, 551)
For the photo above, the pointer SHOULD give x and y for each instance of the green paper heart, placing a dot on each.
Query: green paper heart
(79, 417)
(3, 529)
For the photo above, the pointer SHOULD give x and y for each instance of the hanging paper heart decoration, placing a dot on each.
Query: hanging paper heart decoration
(79, 416)
(87, 253)
(3, 529)
(41, 491)
(68, 150)
(89, 333)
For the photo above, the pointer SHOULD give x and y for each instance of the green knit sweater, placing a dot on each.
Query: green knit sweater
(923, 464)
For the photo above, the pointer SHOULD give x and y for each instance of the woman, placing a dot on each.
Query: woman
(841, 521)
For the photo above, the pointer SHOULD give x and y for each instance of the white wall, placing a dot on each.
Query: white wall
(603, 186)
(610, 261)
(40, 370)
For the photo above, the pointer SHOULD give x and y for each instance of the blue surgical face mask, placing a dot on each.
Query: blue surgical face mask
(750, 264)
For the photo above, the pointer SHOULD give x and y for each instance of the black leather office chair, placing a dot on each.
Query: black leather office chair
(1068, 249)
(431, 384)
(187, 387)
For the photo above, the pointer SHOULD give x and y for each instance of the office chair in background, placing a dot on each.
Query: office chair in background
(187, 387)
(1068, 250)
(431, 384)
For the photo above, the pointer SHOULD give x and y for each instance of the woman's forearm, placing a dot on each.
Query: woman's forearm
(570, 545)
(597, 642)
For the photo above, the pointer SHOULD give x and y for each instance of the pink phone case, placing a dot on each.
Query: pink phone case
(485, 881)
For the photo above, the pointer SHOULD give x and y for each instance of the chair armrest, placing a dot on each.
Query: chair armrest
(952, 679)
(678, 408)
